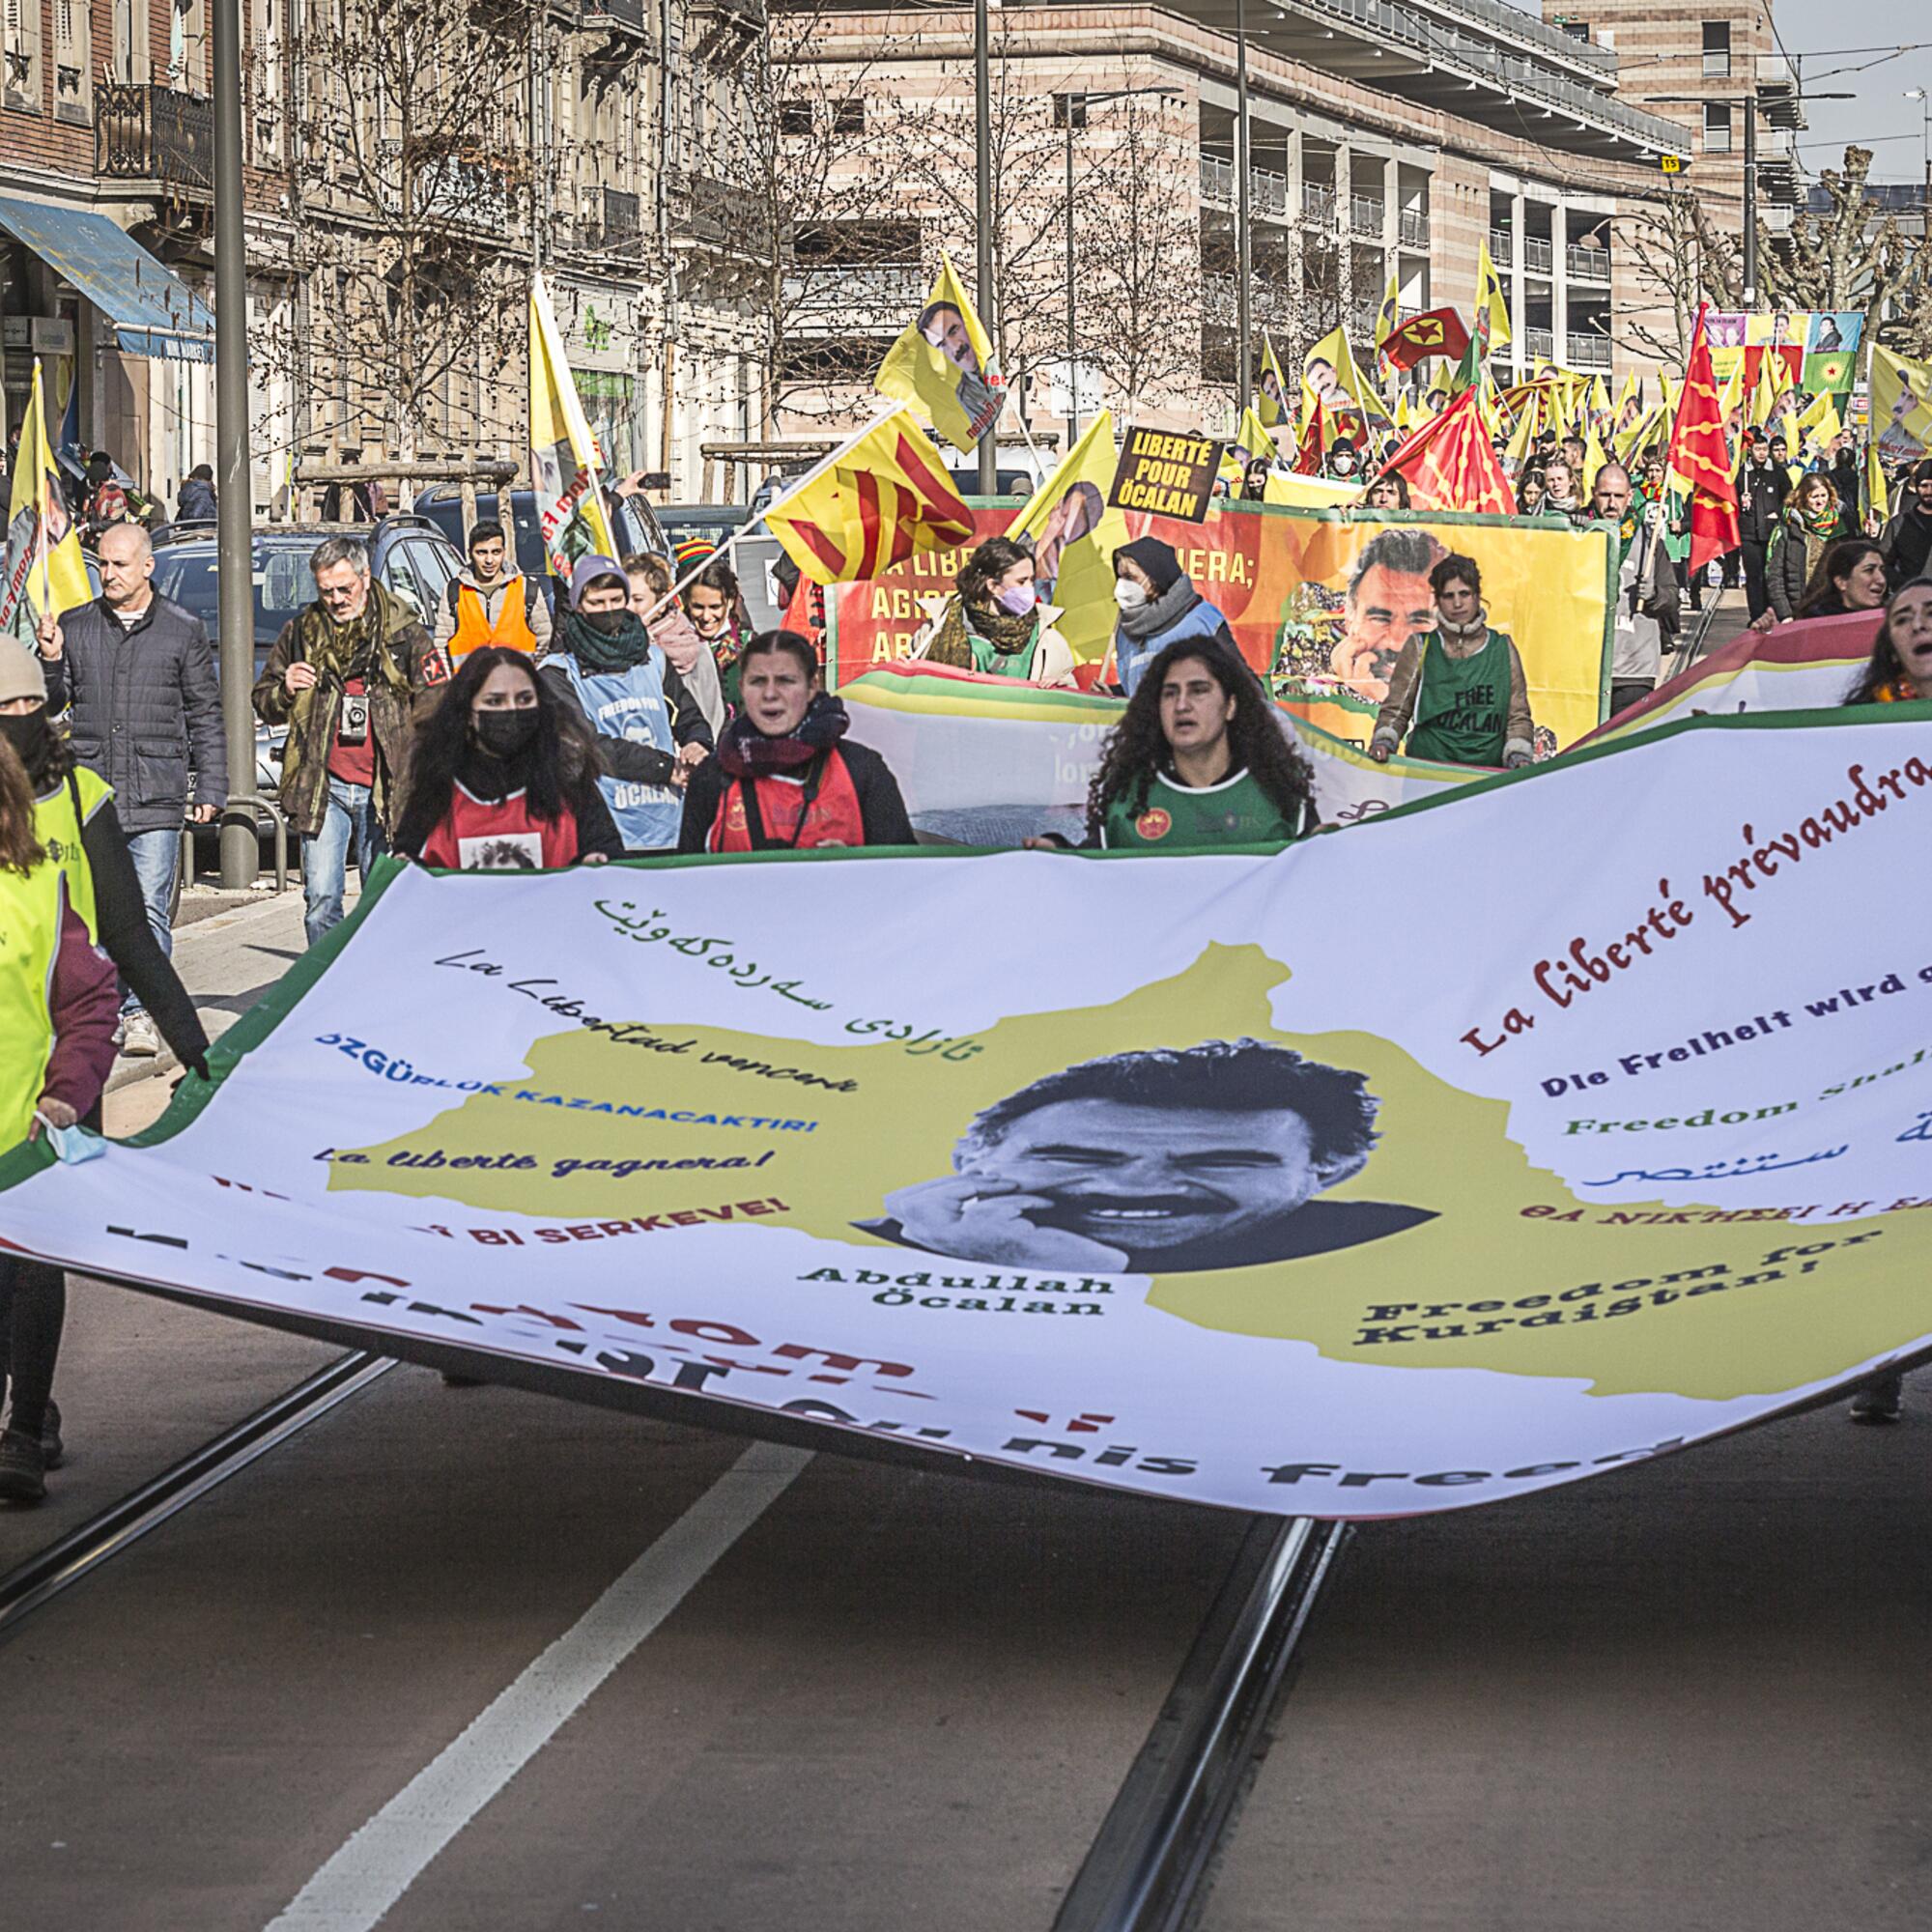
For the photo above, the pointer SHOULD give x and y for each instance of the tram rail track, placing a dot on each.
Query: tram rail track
(103, 1536)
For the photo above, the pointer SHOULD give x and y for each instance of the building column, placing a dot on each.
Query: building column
(1345, 233)
(1295, 275)
(1559, 278)
(1518, 294)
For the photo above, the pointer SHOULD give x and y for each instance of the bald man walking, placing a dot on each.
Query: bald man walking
(137, 674)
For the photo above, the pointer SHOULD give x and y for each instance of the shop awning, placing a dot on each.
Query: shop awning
(152, 310)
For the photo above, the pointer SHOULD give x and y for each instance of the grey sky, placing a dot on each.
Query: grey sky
(1880, 119)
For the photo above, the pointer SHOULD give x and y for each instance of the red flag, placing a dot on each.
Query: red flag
(1700, 458)
(1451, 464)
(1314, 441)
(1438, 331)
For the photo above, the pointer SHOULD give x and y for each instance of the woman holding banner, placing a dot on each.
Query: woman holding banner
(1199, 760)
(995, 623)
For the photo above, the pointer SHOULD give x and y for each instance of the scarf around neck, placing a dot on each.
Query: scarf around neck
(1162, 612)
(623, 649)
(342, 651)
(1474, 635)
(745, 751)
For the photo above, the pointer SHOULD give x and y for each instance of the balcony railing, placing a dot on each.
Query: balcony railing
(1538, 256)
(617, 227)
(1587, 264)
(154, 133)
(1540, 342)
(1318, 203)
(1267, 191)
(1414, 228)
(1368, 214)
(624, 16)
(1588, 351)
(1502, 247)
(838, 299)
(717, 215)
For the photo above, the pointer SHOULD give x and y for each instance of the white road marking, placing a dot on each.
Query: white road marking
(363, 1880)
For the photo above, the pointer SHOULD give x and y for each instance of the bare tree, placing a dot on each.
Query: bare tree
(405, 156)
(1850, 255)
(1138, 256)
(1683, 260)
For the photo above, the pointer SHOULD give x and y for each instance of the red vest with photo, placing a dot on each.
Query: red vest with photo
(499, 835)
(832, 818)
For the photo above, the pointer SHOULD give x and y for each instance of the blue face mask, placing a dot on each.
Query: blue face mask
(73, 1144)
(1017, 601)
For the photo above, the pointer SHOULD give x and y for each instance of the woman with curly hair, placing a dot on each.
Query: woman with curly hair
(503, 776)
(1200, 759)
(995, 623)
(1850, 577)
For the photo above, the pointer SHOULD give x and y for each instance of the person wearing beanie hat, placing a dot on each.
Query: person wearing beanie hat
(650, 731)
(1159, 606)
(1344, 461)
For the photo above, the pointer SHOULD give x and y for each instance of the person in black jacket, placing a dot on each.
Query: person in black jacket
(195, 503)
(1762, 488)
(1907, 536)
(136, 674)
(783, 781)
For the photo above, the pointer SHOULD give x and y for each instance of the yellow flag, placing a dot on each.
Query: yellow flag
(1313, 492)
(1390, 312)
(1074, 535)
(46, 575)
(1774, 383)
(1492, 295)
(563, 453)
(1728, 397)
(1251, 439)
(1877, 489)
(941, 363)
(1594, 459)
(880, 497)
(1329, 372)
(1522, 438)
(1901, 408)
(1271, 401)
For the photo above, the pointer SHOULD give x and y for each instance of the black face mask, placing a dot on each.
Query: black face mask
(28, 734)
(610, 622)
(505, 733)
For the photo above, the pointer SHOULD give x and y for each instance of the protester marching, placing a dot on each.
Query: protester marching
(1391, 579)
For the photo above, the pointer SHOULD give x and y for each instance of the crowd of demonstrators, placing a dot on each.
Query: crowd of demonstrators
(604, 666)
(995, 623)
(344, 677)
(1197, 760)
(1458, 692)
(136, 675)
(58, 1017)
(502, 775)
(490, 601)
(783, 779)
(1158, 608)
(1763, 483)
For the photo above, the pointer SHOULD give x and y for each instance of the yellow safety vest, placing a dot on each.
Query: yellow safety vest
(58, 827)
(30, 920)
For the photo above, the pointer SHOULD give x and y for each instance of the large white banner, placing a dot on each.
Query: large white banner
(1499, 1141)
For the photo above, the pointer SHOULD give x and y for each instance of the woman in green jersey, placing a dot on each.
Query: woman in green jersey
(1458, 692)
(1200, 760)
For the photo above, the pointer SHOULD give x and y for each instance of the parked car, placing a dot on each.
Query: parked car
(407, 554)
(634, 524)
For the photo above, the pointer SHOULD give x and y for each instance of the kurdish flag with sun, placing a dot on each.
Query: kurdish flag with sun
(879, 498)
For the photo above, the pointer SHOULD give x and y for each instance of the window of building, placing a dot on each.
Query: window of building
(1716, 50)
(20, 49)
(795, 117)
(1577, 30)
(848, 115)
(1070, 110)
(1716, 126)
(73, 35)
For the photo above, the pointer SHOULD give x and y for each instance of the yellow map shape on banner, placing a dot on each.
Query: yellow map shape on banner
(1447, 1248)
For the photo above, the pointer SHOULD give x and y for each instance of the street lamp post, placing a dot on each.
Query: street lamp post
(982, 166)
(1243, 245)
(1923, 96)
